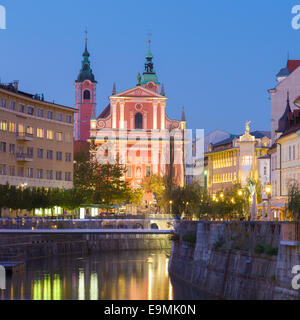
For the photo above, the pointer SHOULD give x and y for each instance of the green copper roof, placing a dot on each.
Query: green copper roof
(149, 73)
(86, 72)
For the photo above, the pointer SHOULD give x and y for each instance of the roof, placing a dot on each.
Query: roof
(105, 113)
(35, 97)
(292, 124)
(257, 134)
(293, 65)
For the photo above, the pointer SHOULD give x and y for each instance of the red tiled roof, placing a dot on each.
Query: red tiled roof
(105, 112)
(293, 65)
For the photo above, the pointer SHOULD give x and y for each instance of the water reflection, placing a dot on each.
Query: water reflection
(109, 276)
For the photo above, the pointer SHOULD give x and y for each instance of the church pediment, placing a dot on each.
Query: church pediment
(139, 92)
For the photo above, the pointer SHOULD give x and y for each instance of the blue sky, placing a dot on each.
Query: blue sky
(217, 58)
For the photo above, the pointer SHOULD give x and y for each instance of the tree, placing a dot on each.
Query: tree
(156, 185)
(294, 200)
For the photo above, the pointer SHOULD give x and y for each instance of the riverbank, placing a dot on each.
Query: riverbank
(32, 246)
(236, 260)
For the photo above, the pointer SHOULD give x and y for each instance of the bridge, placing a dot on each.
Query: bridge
(97, 226)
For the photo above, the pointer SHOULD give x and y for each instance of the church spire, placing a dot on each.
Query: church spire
(283, 121)
(149, 74)
(114, 91)
(86, 72)
(162, 92)
(183, 115)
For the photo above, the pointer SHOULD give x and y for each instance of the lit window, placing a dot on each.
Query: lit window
(59, 136)
(50, 134)
(40, 133)
(12, 127)
(29, 130)
(3, 125)
(247, 160)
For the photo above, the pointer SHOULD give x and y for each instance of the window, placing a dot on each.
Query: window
(138, 172)
(2, 146)
(59, 156)
(265, 171)
(12, 105)
(59, 136)
(30, 110)
(40, 173)
(68, 137)
(12, 148)
(294, 152)
(30, 151)
(68, 157)
(138, 121)
(129, 172)
(40, 133)
(30, 172)
(29, 130)
(50, 134)
(49, 115)
(12, 171)
(40, 113)
(22, 108)
(12, 127)
(69, 119)
(49, 154)
(86, 95)
(148, 171)
(58, 175)
(21, 172)
(50, 174)
(68, 176)
(3, 125)
(59, 116)
(3, 169)
(3, 103)
(40, 153)
(21, 130)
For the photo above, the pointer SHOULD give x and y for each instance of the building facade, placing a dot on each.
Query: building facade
(36, 140)
(134, 130)
(288, 80)
(235, 159)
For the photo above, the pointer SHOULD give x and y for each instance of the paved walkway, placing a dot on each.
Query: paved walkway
(84, 231)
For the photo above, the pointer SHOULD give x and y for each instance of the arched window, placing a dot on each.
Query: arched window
(86, 95)
(138, 121)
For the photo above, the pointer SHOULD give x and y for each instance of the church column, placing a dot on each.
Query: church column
(114, 114)
(122, 107)
(163, 113)
(154, 115)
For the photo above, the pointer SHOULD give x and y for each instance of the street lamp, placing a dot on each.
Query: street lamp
(268, 190)
(170, 202)
(240, 193)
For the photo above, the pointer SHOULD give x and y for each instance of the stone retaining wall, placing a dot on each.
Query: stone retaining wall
(235, 260)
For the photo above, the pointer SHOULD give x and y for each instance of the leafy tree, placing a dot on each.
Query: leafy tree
(294, 200)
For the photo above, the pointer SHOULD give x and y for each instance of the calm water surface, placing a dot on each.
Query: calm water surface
(141, 275)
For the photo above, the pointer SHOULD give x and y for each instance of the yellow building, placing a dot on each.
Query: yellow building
(234, 159)
(36, 140)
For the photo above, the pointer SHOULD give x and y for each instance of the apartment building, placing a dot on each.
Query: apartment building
(235, 159)
(36, 140)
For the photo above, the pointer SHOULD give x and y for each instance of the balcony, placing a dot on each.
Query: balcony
(23, 157)
(24, 136)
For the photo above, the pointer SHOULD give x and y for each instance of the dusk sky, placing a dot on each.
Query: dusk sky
(217, 58)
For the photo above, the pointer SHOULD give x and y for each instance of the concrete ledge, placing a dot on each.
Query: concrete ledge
(85, 231)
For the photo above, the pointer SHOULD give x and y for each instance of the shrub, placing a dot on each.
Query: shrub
(190, 237)
(259, 248)
(270, 250)
(219, 244)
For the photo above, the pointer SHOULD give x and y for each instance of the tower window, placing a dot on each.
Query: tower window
(86, 95)
(138, 121)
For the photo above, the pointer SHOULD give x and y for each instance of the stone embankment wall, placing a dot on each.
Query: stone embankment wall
(29, 246)
(235, 260)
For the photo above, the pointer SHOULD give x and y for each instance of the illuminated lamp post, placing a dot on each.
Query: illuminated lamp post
(170, 202)
(268, 190)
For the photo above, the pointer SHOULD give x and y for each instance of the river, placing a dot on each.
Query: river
(130, 275)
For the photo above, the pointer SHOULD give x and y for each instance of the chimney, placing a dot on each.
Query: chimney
(16, 84)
